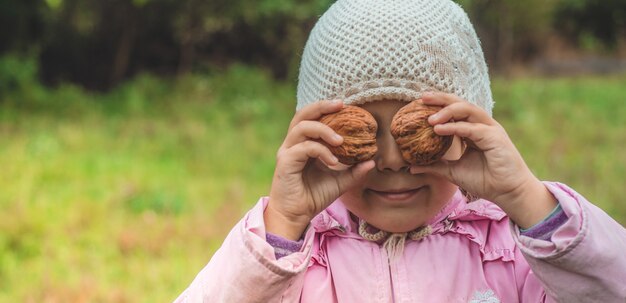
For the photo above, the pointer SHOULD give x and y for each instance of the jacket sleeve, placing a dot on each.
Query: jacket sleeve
(585, 259)
(244, 268)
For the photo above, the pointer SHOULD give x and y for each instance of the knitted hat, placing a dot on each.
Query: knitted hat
(366, 50)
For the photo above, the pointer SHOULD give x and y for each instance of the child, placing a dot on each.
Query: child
(385, 231)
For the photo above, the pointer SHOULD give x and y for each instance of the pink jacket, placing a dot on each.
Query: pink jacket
(474, 255)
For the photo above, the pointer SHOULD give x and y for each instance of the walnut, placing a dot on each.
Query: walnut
(358, 129)
(415, 137)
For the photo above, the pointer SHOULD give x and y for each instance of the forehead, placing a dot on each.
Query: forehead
(383, 109)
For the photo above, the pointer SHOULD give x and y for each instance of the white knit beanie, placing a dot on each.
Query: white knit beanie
(366, 50)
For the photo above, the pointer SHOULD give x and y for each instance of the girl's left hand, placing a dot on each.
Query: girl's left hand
(491, 167)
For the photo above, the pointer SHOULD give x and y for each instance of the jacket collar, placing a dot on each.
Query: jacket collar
(337, 218)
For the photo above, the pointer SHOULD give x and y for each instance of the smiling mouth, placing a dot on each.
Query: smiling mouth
(396, 195)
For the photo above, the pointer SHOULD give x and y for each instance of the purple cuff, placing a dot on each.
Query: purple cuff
(282, 246)
(544, 229)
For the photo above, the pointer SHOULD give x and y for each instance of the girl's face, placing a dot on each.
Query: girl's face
(391, 198)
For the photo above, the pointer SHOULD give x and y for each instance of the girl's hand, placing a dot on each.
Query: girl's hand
(308, 177)
(491, 167)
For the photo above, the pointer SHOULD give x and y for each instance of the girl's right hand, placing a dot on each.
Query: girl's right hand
(308, 177)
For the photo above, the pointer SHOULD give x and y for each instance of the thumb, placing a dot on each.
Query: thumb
(442, 168)
(352, 176)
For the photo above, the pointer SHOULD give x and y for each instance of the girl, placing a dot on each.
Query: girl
(477, 226)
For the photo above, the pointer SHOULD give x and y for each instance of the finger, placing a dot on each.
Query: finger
(441, 167)
(475, 133)
(354, 175)
(440, 99)
(294, 159)
(307, 130)
(331, 168)
(456, 150)
(462, 129)
(338, 167)
(461, 111)
(445, 100)
(315, 110)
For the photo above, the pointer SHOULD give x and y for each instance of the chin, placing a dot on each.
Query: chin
(397, 225)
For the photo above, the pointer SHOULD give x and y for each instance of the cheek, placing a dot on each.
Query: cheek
(353, 200)
(352, 197)
(444, 190)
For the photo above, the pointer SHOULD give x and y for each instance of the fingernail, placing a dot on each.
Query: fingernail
(433, 117)
(335, 101)
(337, 137)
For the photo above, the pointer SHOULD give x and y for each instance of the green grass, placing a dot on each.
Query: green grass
(123, 197)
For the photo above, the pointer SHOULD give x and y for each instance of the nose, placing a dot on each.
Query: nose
(388, 157)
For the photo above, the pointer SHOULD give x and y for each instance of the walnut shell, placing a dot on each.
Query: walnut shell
(358, 129)
(415, 137)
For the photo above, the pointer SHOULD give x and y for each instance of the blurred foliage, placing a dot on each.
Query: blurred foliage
(99, 44)
(518, 31)
(604, 20)
(511, 30)
(17, 73)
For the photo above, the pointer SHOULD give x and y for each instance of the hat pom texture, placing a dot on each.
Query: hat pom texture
(367, 50)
